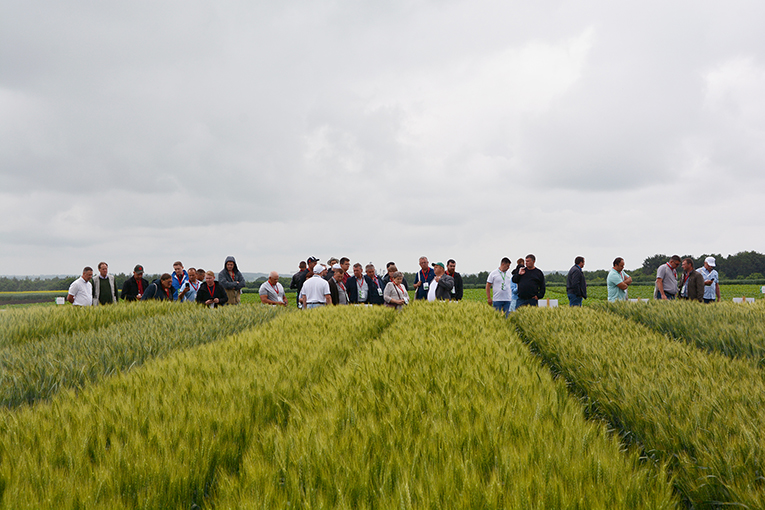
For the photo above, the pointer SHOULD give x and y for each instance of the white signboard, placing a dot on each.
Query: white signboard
(743, 300)
(639, 300)
(545, 303)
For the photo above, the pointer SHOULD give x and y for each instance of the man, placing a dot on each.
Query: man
(191, 287)
(692, 288)
(451, 270)
(296, 276)
(442, 284)
(711, 281)
(272, 292)
(576, 286)
(617, 281)
(299, 279)
(135, 286)
(391, 268)
(345, 263)
(232, 280)
(422, 279)
(179, 279)
(337, 287)
(104, 288)
(161, 289)
(666, 279)
(315, 292)
(514, 286)
(498, 287)
(357, 286)
(531, 283)
(375, 286)
(201, 276)
(81, 290)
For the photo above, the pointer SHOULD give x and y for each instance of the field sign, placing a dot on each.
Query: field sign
(743, 300)
(548, 303)
(639, 300)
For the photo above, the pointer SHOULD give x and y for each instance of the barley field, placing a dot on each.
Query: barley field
(441, 405)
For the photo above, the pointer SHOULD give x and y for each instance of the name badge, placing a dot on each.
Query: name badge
(454, 290)
(425, 285)
(379, 291)
(362, 295)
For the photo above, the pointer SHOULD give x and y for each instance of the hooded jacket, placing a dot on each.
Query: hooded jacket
(224, 278)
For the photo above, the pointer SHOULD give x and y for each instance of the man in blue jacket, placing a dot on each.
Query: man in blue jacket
(576, 286)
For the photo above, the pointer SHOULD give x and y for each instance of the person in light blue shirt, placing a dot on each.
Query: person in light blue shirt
(618, 281)
(514, 290)
(711, 281)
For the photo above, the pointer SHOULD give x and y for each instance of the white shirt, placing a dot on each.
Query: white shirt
(432, 290)
(82, 292)
(315, 290)
(500, 285)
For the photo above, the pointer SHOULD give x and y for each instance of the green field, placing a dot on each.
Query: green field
(442, 405)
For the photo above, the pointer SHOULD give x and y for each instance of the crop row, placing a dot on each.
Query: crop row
(341, 407)
(32, 323)
(37, 369)
(702, 412)
(733, 329)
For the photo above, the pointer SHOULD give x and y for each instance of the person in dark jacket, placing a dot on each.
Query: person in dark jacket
(358, 286)
(135, 286)
(299, 278)
(211, 293)
(693, 282)
(451, 270)
(160, 289)
(531, 283)
(337, 288)
(232, 280)
(576, 286)
(442, 284)
(375, 286)
(387, 278)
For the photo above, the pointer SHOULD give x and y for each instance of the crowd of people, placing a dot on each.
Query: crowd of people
(319, 285)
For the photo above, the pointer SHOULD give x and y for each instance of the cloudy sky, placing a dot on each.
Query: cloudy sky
(150, 131)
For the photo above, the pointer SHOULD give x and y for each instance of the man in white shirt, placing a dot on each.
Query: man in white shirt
(272, 292)
(81, 290)
(315, 291)
(498, 291)
(711, 281)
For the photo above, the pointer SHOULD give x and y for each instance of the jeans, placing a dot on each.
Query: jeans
(527, 302)
(657, 295)
(315, 305)
(513, 304)
(574, 300)
(502, 306)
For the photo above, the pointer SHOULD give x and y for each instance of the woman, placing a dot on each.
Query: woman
(211, 293)
(159, 289)
(232, 280)
(395, 295)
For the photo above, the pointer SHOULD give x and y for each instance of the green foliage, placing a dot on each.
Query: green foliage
(439, 406)
(704, 413)
(115, 338)
(733, 329)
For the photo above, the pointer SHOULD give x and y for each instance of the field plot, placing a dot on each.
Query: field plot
(346, 407)
(734, 329)
(34, 366)
(703, 412)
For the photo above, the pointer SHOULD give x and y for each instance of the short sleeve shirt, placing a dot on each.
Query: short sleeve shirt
(613, 280)
(709, 290)
(315, 290)
(82, 292)
(668, 278)
(500, 285)
(271, 293)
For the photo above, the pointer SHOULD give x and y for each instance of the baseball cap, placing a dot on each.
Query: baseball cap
(336, 266)
(138, 269)
(434, 264)
(318, 268)
(710, 261)
(312, 259)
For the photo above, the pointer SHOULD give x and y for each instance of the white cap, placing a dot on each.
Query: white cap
(318, 268)
(710, 261)
(336, 266)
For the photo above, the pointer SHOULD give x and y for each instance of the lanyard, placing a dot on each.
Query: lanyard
(673, 270)
(341, 285)
(399, 288)
(360, 282)
(276, 291)
(425, 274)
(212, 294)
(140, 286)
(195, 287)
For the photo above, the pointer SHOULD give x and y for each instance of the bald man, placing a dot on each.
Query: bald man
(272, 292)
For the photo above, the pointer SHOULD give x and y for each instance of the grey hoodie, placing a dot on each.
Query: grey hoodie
(224, 278)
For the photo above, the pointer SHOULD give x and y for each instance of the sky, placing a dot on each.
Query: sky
(146, 132)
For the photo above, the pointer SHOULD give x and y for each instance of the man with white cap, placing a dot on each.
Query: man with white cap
(711, 281)
(315, 291)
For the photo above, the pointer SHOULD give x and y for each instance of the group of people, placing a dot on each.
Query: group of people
(331, 284)
(192, 285)
(702, 284)
(320, 285)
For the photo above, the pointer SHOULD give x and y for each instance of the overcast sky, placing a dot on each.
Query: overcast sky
(150, 131)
